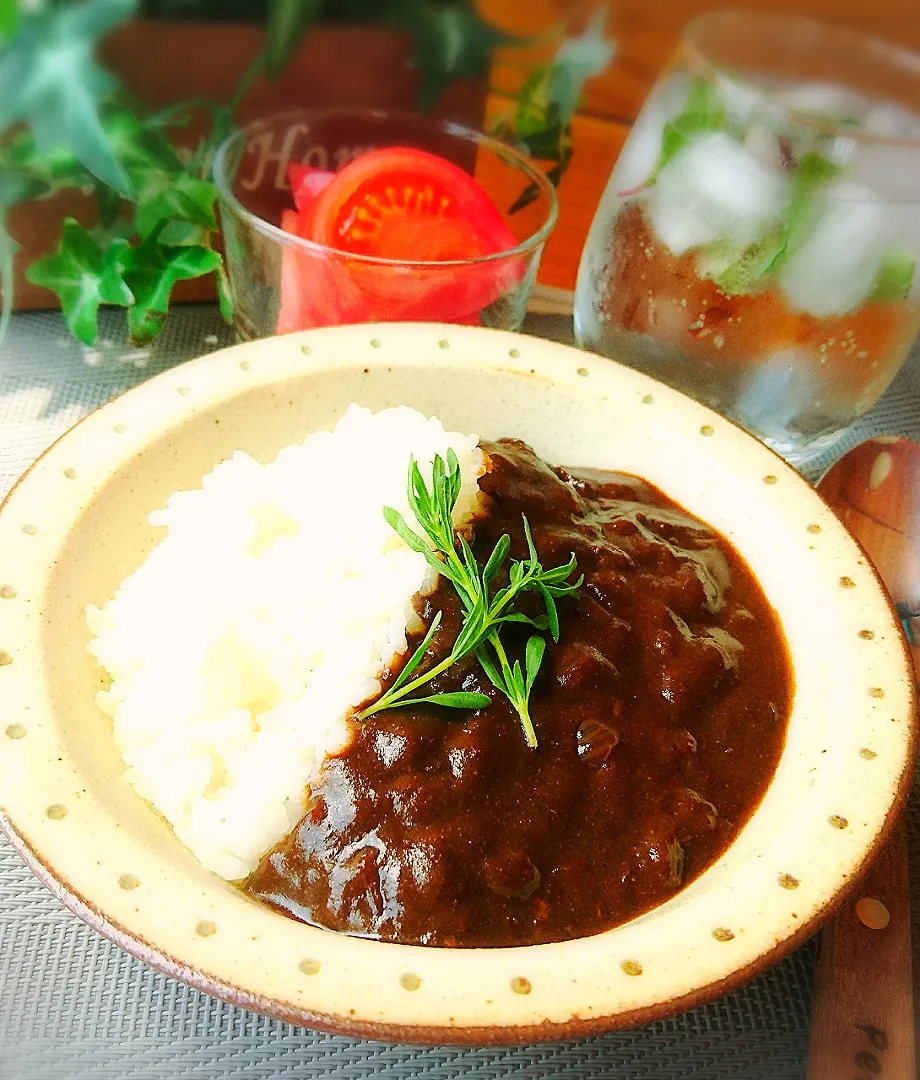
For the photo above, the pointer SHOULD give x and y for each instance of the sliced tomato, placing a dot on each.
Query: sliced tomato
(307, 184)
(316, 289)
(405, 204)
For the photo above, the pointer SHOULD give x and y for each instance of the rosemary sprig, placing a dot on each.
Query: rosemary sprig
(486, 610)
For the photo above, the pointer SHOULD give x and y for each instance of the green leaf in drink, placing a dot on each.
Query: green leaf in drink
(895, 277)
(703, 111)
(813, 172)
(739, 273)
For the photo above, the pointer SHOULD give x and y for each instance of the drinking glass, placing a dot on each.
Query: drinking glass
(756, 246)
(281, 282)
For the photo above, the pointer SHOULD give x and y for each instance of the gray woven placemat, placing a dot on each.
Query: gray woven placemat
(74, 1006)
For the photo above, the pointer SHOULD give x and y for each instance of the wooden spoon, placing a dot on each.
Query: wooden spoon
(862, 1020)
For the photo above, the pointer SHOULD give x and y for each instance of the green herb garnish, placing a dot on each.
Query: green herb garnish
(895, 277)
(703, 111)
(813, 172)
(739, 273)
(485, 611)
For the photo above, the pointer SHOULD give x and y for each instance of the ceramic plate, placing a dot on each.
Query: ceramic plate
(76, 525)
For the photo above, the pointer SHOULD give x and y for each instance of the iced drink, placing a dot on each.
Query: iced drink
(757, 248)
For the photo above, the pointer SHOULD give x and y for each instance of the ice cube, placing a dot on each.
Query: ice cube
(828, 101)
(715, 189)
(891, 171)
(888, 120)
(742, 100)
(642, 149)
(776, 392)
(835, 268)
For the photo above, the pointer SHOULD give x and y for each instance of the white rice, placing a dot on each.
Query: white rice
(267, 613)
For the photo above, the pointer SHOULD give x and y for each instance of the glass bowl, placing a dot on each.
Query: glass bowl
(281, 282)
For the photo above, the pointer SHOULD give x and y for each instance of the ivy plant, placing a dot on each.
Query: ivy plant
(65, 122)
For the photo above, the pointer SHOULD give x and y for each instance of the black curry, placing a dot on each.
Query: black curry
(660, 715)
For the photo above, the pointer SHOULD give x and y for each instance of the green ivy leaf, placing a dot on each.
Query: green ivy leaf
(49, 171)
(224, 294)
(452, 41)
(83, 276)
(578, 59)
(288, 21)
(537, 113)
(179, 233)
(109, 204)
(49, 78)
(550, 96)
(895, 277)
(15, 188)
(9, 18)
(150, 271)
(138, 144)
(8, 249)
(164, 197)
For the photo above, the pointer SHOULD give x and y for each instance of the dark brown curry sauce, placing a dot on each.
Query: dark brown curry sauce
(660, 714)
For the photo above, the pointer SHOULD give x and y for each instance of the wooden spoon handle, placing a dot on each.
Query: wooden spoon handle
(862, 1025)
(862, 1020)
